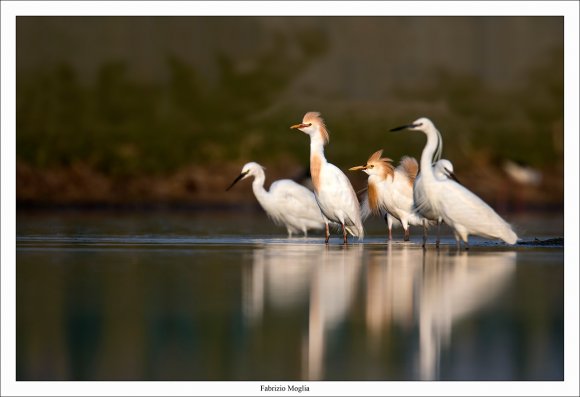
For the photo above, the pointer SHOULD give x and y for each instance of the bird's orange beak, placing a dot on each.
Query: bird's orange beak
(358, 167)
(301, 125)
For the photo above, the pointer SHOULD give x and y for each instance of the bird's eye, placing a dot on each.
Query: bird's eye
(372, 166)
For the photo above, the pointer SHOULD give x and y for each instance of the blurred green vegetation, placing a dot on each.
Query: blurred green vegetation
(120, 126)
(524, 123)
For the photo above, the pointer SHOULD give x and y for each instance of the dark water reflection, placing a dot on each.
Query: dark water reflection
(214, 297)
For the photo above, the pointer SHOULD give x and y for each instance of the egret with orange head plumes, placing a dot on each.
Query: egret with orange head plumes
(333, 191)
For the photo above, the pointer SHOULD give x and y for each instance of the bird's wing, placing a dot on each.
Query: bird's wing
(463, 207)
(295, 201)
(365, 208)
(338, 189)
(409, 167)
(402, 192)
(421, 203)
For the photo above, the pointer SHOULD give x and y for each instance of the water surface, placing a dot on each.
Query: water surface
(226, 296)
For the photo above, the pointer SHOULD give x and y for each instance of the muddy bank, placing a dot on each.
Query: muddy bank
(196, 185)
(80, 185)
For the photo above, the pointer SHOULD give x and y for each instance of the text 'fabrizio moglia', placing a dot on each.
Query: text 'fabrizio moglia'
(291, 388)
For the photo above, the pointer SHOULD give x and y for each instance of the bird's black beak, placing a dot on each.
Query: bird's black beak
(452, 175)
(243, 174)
(404, 127)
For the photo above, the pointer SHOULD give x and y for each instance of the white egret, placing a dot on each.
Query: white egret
(332, 189)
(287, 203)
(521, 173)
(391, 189)
(457, 206)
(442, 170)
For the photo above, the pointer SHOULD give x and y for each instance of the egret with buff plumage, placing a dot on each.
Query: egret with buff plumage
(333, 191)
(390, 189)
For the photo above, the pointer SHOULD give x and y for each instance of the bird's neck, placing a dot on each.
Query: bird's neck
(384, 171)
(317, 160)
(317, 143)
(258, 187)
(430, 149)
(375, 179)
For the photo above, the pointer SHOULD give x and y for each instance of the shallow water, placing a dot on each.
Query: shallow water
(226, 296)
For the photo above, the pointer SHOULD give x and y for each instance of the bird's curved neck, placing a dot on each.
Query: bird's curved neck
(317, 143)
(258, 187)
(431, 152)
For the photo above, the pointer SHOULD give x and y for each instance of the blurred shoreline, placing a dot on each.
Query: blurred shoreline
(30, 206)
(201, 188)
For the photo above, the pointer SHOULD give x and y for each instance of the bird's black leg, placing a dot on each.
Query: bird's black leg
(327, 234)
(344, 234)
(406, 238)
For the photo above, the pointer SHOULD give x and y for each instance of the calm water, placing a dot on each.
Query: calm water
(226, 296)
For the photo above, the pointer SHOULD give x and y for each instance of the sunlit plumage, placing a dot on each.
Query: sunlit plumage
(442, 197)
(442, 170)
(366, 211)
(390, 189)
(333, 191)
(287, 203)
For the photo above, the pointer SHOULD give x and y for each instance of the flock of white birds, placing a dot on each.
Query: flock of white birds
(400, 194)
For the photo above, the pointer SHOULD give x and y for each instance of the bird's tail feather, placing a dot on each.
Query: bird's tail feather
(365, 208)
(508, 235)
(357, 231)
(356, 228)
(361, 231)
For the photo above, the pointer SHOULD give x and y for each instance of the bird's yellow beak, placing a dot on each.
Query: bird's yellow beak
(301, 125)
(358, 167)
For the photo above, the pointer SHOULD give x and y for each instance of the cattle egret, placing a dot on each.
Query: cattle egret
(457, 206)
(332, 189)
(366, 211)
(391, 189)
(287, 203)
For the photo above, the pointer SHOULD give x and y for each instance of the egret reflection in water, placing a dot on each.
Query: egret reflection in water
(288, 275)
(431, 290)
(452, 287)
(406, 287)
(152, 306)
